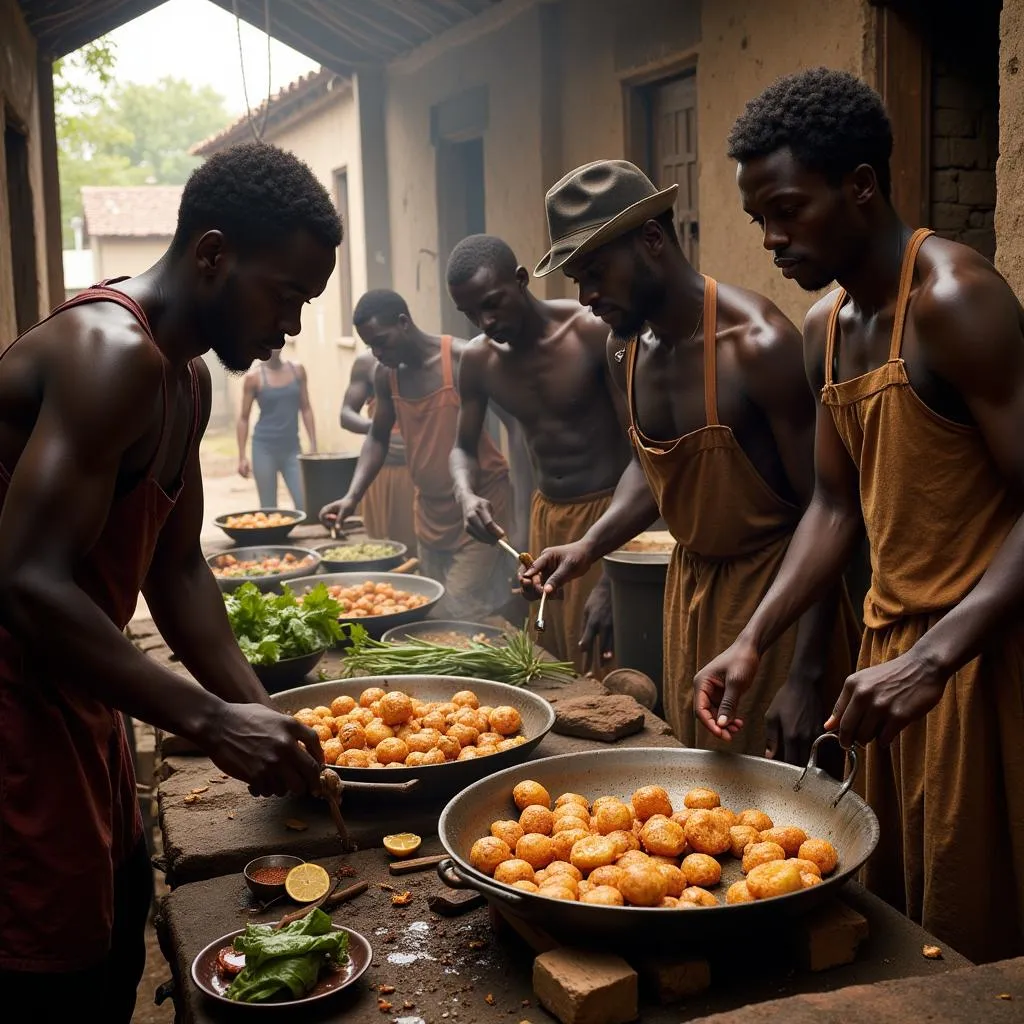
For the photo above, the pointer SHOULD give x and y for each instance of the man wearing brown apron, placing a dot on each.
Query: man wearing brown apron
(544, 363)
(415, 388)
(722, 424)
(919, 360)
(102, 405)
(387, 506)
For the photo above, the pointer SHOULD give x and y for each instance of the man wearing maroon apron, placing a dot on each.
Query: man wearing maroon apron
(101, 408)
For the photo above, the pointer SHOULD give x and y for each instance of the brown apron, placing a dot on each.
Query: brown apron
(732, 531)
(429, 426)
(69, 814)
(949, 792)
(553, 523)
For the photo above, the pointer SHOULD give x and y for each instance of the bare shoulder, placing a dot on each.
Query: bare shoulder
(762, 333)
(382, 380)
(816, 318)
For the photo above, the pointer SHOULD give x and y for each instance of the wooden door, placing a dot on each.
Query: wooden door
(673, 107)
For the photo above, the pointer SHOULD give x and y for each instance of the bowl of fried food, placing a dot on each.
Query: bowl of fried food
(266, 567)
(260, 526)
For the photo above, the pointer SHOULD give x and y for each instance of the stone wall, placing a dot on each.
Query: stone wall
(1010, 168)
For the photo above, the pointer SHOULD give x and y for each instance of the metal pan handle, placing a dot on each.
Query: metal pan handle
(812, 762)
(454, 879)
(396, 787)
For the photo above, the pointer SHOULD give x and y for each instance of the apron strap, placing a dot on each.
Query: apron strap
(447, 378)
(906, 281)
(830, 337)
(710, 351)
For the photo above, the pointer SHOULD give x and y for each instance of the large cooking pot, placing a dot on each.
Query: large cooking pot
(272, 581)
(809, 798)
(435, 779)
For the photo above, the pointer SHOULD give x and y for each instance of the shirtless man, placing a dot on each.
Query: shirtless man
(415, 388)
(722, 423)
(919, 360)
(544, 363)
(102, 406)
(387, 506)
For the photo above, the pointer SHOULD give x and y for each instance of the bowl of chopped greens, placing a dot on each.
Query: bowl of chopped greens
(361, 555)
(283, 638)
(263, 967)
(263, 566)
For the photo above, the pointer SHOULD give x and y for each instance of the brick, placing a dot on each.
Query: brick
(949, 216)
(948, 91)
(978, 188)
(940, 154)
(582, 987)
(976, 219)
(944, 186)
(671, 980)
(953, 123)
(831, 936)
(968, 153)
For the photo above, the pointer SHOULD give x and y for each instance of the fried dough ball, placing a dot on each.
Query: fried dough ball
(643, 885)
(695, 894)
(377, 731)
(761, 853)
(352, 736)
(702, 870)
(592, 852)
(707, 833)
(342, 706)
(562, 867)
(612, 817)
(526, 886)
(446, 707)
(424, 740)
(675, 880)
(364, 716)
(322, 712)
(392, 750)
(624, 841)
(403, 732)
(514, 870)
(555, 879)
(742, 836)
(703, 799)
(468, 753)
(449, 746)
(322, 731)
(434, 720)
(807, 879)
(466, 699)
(657, 858)
(738, 893)
(582, 888)
(729, 817)
(571, 823)
(536, 850)
(756, 819)
(806, 865)
(822, 852)
(631, 857)
(648, 800)
(485, 710)
(418, 758)
(357, 759)
(610, 874)
(505, 720)
(370, 695)
(682, 815)
(573, 798)
(789, 837)
(509, 744)
(375, 709)
(536, 818)
(508, 830)
(529, 792)
(566, 839)
(306, 716)
(488, 853)
(663, 836)
(775, 878)
(467, 716)
(395, 707)
(603, 896)
(332, 748)
(558, 892)
(572, 811)
(465, 734)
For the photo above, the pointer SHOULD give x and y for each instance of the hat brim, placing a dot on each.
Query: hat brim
(595, 235)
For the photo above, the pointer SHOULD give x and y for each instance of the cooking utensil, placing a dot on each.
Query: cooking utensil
(384, 563)
(251, 535)
(332, 790)
(809, 798)
(271, 580)
(524, 558)
(208, 978)
(539, 623)
(432, 780)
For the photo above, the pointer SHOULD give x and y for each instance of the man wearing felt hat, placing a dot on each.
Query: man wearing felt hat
(721, 419)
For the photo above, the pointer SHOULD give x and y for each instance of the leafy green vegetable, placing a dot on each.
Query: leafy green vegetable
(273, 627)
(286, 962)
(516, 661)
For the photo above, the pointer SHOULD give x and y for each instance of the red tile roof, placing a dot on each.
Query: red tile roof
(140, 211)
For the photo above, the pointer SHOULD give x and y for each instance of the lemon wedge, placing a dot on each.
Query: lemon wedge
(306, 883)
(402, 844)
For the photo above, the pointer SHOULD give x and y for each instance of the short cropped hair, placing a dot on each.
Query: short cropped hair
(381, 304)
(830, 120)
(477, 251)
(257, 195)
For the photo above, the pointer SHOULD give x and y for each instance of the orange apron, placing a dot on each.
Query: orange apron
(732, 531)
(949, 792)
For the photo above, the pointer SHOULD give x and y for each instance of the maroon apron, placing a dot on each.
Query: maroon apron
(69, 813)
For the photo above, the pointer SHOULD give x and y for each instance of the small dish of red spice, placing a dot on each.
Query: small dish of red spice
(265, 875)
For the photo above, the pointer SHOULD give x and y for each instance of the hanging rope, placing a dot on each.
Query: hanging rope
(257, 132)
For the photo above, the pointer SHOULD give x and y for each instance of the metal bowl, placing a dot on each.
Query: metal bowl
(261, 890)
(382, 564)
(809, 798)
(379, 624)
(421, 630)
(537, 714)
(264, 583)
(282, 675)
(260, 534)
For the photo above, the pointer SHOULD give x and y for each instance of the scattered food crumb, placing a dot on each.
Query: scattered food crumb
(217, 782)
(526, 1002)
(489, 999)
(384, 1006)
(1004, 995)
(198, 789)
(385, 990)
(296, 825)
(386, 887)
(401, 899)
(477, 944)
(192, 798)
(408, 1005)
(346, 871)
(390, 937)
(931, 952)
(231, 815)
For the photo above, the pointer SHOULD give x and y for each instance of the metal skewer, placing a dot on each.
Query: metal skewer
(539, 622)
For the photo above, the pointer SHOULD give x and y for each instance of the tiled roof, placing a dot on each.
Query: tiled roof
(140, 211)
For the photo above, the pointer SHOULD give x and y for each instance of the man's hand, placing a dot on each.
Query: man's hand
(597, 622)
(244, 468)
(261, 746)
(478, 518)
(335, 514)
(794, 720)
(877, 702)
(719, 685)
(554, 567)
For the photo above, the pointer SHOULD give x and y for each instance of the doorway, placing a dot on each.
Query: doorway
(22, 227)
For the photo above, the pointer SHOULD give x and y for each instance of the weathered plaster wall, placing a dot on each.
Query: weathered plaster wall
(1009, 218)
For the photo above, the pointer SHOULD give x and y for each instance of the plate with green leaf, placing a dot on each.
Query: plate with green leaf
(303, 962)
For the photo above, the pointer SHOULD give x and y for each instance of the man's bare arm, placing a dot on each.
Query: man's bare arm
(358, 393)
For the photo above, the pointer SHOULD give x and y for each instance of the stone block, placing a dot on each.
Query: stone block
(945, 186)
(606, 718)
(953, 123)
(949, 216)
(580, 987)
(968, 153)
(977, 188)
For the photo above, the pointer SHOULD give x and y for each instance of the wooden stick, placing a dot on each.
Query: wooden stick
(332, 899)
(407, 867)
(346, 894)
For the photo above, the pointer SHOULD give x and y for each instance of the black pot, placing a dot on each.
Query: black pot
(284, 675)
(325, 478)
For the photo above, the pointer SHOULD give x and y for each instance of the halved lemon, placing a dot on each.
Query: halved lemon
(306, 883)
(402, 844)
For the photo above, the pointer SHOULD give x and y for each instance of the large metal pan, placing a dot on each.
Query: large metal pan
(435, 779)
(271, 581)
(809, 798)
(378, 624)
(252, 535)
